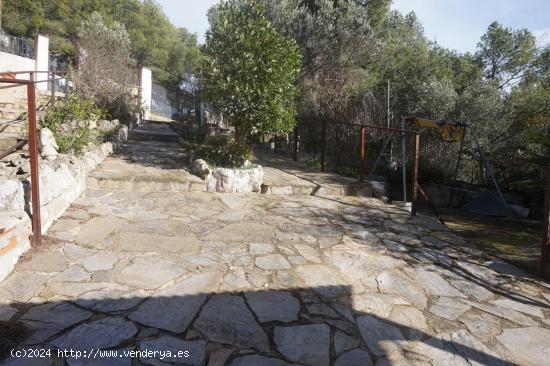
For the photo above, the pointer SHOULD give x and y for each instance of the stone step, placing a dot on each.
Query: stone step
(145, 183)
(17, 128)
(12, 113)
(152, 135)
(10, 105)
(8, 140)
(357, 190)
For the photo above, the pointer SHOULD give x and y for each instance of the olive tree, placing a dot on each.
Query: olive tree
(103, 73)
(249, 70)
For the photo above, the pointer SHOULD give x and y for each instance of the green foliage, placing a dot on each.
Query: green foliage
(171, 52)
(249, 70)
(505, 53)
(103, 74)
(337, 41)
(107, 135)
(222, 151)
(69, 122)
(350, 50)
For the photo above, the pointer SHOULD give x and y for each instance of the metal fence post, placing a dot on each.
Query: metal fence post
(362, 155)
(296, 140)
(545, 247)
(33, 152)
(52, 97)
(323, 145)
(403, 162)
(414, 192)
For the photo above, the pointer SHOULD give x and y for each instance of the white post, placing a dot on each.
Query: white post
(42, 57)
(146, 85)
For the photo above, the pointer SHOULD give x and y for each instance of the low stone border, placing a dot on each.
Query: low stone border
(61, 182)
(247, 179)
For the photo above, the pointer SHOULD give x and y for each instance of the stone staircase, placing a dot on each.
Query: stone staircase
(151, 160)
(154, 131)
(13, 110)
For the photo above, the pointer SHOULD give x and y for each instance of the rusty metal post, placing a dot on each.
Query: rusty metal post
(362, 155)
(323, 145)
(414, 191)
(33, 152)
(296, 140)
(545, 247)
(52, 97)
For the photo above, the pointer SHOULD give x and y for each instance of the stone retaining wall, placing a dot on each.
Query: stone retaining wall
(61, 182)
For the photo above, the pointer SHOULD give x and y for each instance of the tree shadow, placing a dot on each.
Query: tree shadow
(301, 171)
(459, 259)
(298, 326)
(154, 154)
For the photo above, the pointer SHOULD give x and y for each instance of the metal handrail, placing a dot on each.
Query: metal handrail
(31, 76)
(32, 72)
(544, 260)
(33, 153)
(411, 132)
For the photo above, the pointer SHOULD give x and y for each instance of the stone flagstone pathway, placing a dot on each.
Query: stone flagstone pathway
(246, 280)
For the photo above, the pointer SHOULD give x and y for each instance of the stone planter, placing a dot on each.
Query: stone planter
(225, 180)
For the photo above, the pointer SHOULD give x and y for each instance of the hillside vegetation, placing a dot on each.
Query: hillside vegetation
(171, 52)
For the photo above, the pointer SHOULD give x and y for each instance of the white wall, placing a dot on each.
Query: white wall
(42, 55)
(10, 62)
(146, 84)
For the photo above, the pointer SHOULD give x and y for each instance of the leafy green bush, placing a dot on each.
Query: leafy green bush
(222, 151)
(69, 123)
(249, 69)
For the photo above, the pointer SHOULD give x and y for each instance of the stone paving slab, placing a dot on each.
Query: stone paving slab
(283, 176)
(146, 166)
(251, 279)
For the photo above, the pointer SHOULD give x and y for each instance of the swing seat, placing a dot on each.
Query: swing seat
(449, 131)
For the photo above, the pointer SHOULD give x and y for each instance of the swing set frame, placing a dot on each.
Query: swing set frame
(461, 130)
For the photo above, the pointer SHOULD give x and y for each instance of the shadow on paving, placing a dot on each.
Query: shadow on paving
(153, 154)
(427, 296)
(493, 278)
(300, 171)
(272, 328)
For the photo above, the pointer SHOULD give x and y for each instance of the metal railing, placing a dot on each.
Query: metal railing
(544, 261)
(23, 47)
(416, 189)
(161, 103)
(30, 84)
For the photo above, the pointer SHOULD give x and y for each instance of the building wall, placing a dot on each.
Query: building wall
(146, 84)
(10, 62)
(42, 53)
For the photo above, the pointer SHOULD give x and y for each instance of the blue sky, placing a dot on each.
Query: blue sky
(455, 24)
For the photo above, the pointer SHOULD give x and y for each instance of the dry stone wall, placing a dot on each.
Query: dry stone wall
(61, 182)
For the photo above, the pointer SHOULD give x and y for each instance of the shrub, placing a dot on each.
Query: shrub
(69, 123)
(103, 72)
(250, 70)
(222, 151)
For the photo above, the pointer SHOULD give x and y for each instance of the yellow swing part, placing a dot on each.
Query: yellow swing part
(449, 131)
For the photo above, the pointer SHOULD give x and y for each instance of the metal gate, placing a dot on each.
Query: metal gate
(161, 105)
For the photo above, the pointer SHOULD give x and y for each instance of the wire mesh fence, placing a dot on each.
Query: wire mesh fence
(19, 46)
